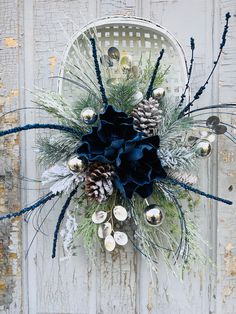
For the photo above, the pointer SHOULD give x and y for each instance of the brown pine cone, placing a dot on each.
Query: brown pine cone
(147, 116)
(99, 181)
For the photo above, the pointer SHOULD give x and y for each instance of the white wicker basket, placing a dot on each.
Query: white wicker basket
(137, 37)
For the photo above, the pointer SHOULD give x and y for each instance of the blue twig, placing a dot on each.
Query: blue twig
(150, 88)
(186, 239)
(192, 44)
(98, 71)
(223, 40)
(40, 126)
(40, 202)
(192, 189)
(203, 87)
(59, 221)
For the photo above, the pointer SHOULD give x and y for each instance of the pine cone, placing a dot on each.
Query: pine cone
(147, 116)
(182, 176)
(99, 181)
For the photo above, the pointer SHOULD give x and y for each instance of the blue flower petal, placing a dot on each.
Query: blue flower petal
(133, 155)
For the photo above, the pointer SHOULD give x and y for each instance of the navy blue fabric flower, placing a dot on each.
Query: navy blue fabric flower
(133, 155)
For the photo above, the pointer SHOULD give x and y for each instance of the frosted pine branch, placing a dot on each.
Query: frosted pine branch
(182, 176)
(177, 158)
(61, 178)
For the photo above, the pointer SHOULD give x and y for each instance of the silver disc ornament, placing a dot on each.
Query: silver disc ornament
(121, 238)
(99, 217)
(125, 63)
(114, 53)
(220, 129)
(109, 243)
(120, 213)
(212, 121)
(104, 230)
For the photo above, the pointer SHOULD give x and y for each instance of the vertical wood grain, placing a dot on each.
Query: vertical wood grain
(226, 235)
(195, 294)
(57, 286)
(75, 286)
(10, 232)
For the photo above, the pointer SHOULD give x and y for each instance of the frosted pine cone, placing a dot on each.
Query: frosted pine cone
(99, 181)
(147, 116)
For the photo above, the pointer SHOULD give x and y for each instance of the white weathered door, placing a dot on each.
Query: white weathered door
(123, 284)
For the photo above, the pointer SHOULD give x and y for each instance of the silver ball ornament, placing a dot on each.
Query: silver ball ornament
(203, 148)
(88, 115)
(158, 93)
(153, 215)
(75, 164)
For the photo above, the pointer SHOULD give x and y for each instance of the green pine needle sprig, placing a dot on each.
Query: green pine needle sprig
(60, 147)
(121, 94)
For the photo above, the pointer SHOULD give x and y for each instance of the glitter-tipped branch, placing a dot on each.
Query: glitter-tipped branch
(192, 44)
(60, 218)
(39, 126)
(98, 71)
(150, 88)
(192, 189)
(40, 202)
(203, 87)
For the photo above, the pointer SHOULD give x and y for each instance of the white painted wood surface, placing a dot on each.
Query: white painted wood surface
(124, 284)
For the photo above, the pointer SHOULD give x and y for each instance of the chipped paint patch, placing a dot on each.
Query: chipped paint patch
(8, 99)
(52, 63)
(150, 297)
(232, 173)
(227, 156)
(10, 42)
(9, 263)
(230, 260)
(227, 292)
(14, 93)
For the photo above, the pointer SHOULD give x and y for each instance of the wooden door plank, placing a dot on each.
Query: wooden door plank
(58, 286)
(226, 235)
(195, 294)
(10, 232)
